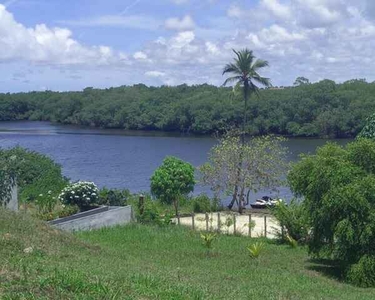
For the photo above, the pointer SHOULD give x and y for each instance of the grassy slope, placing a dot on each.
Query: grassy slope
(139, 262)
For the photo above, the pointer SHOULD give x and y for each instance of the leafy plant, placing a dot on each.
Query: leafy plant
(208, 238)
(201, 204)
(113, 197)
(172, 180)
(255, 250)
(338, 186)
(294, 218)
(82, 193)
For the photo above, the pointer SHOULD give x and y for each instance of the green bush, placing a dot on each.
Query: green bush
(201, 204)
(363, 273)
(35, 173)
(294, 219)
(82, 193)
(368, 130)
(338, 186)
(114, 197)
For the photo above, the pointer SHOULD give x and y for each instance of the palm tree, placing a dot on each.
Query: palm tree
(245, 74)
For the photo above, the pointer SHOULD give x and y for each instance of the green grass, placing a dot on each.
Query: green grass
(141, 262)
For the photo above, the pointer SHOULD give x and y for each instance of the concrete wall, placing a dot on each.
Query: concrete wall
(13, 203)
(106, 216)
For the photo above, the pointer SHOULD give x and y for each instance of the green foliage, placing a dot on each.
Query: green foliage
(113, 197)
(368, 130)
(201, 204)
(207, 239)
(173, 179)
(338, 185)
(83, 194)
(319, 109)
(35, 173)
(362, 273)
(294, 218)
(256, 249)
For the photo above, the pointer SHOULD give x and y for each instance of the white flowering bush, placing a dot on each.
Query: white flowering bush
(82, 193)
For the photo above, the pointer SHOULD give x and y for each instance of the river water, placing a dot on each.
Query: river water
(123, 159)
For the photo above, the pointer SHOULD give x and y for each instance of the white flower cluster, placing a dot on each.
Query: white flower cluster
(80, 193)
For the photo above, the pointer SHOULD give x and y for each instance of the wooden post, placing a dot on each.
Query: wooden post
(192, 221)
(234, 224)
(178, 219)
(141, 204)
(218, 223)
(250, 225)
(206, 221)
(265, 226)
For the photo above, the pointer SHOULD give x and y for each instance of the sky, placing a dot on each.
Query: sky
(72, 44)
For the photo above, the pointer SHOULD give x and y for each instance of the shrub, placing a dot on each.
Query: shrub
(83, 194)
(114, 197)
(256, 249)
(294, 219)
(201, 204)
(35, 173)
(338, 185)
(363, 272)
(172, 180)
(368, 130)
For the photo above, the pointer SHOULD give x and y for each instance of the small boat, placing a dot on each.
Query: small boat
(264, 202)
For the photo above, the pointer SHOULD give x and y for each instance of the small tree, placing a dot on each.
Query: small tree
(369, 130)
(263, 164)
(173, 179)
(338, 186)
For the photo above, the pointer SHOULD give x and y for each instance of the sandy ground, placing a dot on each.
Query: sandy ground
(227, 223)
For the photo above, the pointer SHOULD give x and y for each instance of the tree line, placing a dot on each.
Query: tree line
(322, 109)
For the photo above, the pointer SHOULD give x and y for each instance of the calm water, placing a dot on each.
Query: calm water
(121, 159)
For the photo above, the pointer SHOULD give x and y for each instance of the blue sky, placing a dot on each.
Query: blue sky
(69, 45)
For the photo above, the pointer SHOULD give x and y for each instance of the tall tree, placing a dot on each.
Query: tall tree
(244, 70)
(301, 81)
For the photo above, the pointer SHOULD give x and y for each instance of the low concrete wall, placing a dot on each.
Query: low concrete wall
(106, 216)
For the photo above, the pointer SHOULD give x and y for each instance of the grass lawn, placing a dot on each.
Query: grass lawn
(141, 262)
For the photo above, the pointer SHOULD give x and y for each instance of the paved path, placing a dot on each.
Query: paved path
(227, 223)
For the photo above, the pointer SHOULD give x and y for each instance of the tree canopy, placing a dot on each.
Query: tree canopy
(324, 109)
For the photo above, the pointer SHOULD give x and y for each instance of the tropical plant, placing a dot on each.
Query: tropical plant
(207, 239)
(173, 180)
(245, 70)
(256, 249)
(82, 193)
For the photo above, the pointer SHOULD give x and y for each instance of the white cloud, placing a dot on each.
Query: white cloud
(140, 55)
(277, 9)
(185, 23)
(131, 21)
(155, 74)
(48, 45)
